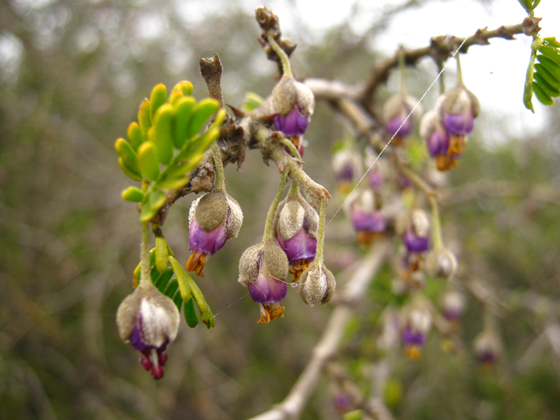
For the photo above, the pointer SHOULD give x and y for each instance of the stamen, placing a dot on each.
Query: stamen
(413, 352)
(196, 262)
(265, 317)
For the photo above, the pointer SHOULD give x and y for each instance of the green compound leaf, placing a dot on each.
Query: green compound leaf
(202, 112)
(133, 194)
(157, 99)
(183, 113)
(135, 136)
(163, 133)
(148, 161)
(191, 317)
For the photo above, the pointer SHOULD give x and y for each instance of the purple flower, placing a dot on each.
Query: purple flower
(367, 221)
(263, 268)
(148, 320)
(347, 166)
(417, 323)
(487, 348)
(293, 104)
(214, 218)
(438, 141)
(416, 236)
(457, 109)
(395, 112)
(453, 305)
(416, 244)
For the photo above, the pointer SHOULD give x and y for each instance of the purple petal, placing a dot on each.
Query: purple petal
(300, 246)
(413, 338)
(278, 290)
(486, 356)
(370, 222)
(394, 123)
(136, 339)
(459, 123)
(292, 124)
(346, 173)
(260, 289)
(375, 179)
(207, 242)
(438, 144)
(416, 244)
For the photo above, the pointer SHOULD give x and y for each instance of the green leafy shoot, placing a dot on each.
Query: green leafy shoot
(166, 143)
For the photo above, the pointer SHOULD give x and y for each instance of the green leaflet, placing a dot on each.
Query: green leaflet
(127, 153)
(163, 133)
(183, 112)
(148, 161)
(135, 136)
(191, 317)
(144, 118)
(541, 95)
(150, 207)
(202, 112)
(133, 194)
(163, 279)
(162, 254)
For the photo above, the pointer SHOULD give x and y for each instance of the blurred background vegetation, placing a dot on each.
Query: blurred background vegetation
(72, 74)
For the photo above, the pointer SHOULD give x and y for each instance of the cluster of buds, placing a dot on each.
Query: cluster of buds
(445, 129)
(148, 320)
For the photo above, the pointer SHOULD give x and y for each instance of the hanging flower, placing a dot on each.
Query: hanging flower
(263, 268)
(293, 104)
(149, 321)
(437, 140)
(441, 263)
(296, 225)
(366, 219)
(417, 323)
(213, 218)
(453, 305)
(347, 166)
(317, 284)
(396, 111)
(457, 109)
(487, 348)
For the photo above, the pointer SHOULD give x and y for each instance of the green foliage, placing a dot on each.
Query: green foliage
(543, 78)
(165, 144)
(529, 5)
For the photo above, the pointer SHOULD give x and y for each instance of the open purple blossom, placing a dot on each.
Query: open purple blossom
(263, 268)
(214, 218)
(148, 320)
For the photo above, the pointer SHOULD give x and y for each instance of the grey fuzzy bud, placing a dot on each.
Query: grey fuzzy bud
(159, 315)
(267, 253)
(401, 104)
(458, 100)
(317, 284)
(234, 218)
(249, 264)
(441, 263)
(275, 259)
(293, 214)
(420, 222)
(210, 210)
(289, 93)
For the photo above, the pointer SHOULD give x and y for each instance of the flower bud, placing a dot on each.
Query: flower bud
(453, 305)
(441, 263)
(263, 268)
(293, 103)
(297, 224)
(457, 109)
(367, 221)
(417, 235)
(213, 218)
(317, 284)
(437, 140)
(417, 323)
(148, 320)
(395, 113)
(487, 348)
(347, 166)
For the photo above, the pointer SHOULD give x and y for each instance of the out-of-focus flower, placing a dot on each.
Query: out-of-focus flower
(317, 284)
(457, 109)
(148, 320)
(416, 326)
(441, 263)
(347, 166)
(487, 348)
(263, 268)
(366, 219)
(213, 218)
(296, 226)
(453, 305)
(416, 237)
(395, 113)
(293, 104)
(437, 140)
